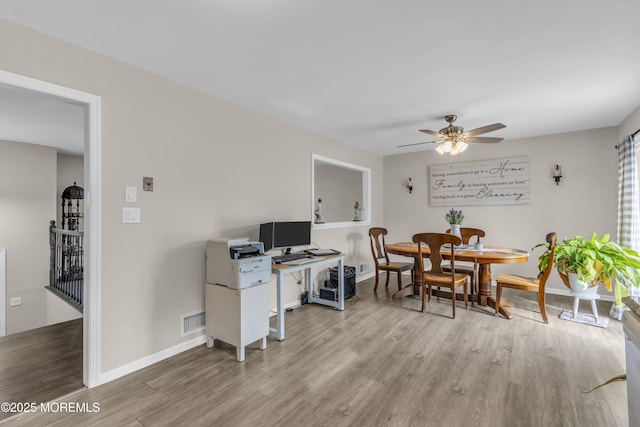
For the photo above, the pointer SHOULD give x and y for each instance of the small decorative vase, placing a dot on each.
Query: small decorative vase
(455, 230)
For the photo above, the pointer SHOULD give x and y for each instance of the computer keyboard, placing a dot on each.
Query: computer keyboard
(322, 252)
(289, 257)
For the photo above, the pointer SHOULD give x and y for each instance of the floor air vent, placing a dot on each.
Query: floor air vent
(192, 322)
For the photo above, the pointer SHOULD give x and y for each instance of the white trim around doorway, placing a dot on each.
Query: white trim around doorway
(3, 292)
(92, 204)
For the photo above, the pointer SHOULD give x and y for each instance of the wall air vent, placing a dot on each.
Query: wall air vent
(192, 322)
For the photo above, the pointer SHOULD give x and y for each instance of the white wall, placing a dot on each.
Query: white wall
(27, 204)
(585, 201)
(218, 169)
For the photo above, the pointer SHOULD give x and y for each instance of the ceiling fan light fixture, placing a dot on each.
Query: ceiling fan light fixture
(454, 140)
(446, 147)
(452, 131)
(459, 147)
(451, 147)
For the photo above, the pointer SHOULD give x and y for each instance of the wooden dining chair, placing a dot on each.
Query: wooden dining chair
(436, 276)
(532, 284)
(469, 236)
(381, 258)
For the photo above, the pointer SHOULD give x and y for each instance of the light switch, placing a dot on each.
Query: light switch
(130, 194)
(15, 301)
(131, 215)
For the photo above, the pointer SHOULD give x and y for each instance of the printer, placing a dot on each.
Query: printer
(237, 263)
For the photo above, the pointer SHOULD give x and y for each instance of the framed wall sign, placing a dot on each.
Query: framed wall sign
(481, 183)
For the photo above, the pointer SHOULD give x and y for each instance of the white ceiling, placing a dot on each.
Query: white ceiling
(35, 118)
(371, 73)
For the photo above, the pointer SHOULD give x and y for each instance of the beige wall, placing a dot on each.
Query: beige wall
(339, 188)
(218, 170)
(27, 204)
(58, 310)
(585, 200)
(630, 125)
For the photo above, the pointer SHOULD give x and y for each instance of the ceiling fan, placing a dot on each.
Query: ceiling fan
(453, 139)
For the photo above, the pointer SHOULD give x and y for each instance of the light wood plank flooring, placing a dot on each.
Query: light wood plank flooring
(41, 364)
(381, 363)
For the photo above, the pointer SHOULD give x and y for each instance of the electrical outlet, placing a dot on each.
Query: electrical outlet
(363, 267)
(15, 301)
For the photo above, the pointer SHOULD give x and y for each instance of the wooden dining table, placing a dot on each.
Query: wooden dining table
(485, 257)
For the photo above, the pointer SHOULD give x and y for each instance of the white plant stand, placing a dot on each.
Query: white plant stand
(580, 292)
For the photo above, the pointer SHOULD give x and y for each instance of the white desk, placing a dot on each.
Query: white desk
(280, 270)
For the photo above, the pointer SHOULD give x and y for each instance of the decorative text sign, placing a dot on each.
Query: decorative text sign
(484, 182)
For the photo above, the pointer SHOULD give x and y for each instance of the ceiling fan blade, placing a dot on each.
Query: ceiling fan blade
(484, 129)
(482, 139)
(430, 132)
(417, 143)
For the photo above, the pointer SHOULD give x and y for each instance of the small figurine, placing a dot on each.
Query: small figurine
(356, 209)
(318, 212)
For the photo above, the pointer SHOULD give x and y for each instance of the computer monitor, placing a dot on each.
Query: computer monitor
(285, 235)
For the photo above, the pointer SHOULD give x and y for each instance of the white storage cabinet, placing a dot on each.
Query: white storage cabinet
(237, 316)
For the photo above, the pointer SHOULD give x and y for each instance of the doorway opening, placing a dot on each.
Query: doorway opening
(91, 105)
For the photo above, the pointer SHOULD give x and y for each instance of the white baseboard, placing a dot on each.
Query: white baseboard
(567, 293)
(554, 291)
(136, 365)
(364, 277)
(294, 304)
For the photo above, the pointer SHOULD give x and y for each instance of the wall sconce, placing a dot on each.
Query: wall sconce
(410, 186)
(557, 174)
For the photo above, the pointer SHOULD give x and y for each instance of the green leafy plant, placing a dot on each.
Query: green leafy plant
(596, 260)
(454, 216)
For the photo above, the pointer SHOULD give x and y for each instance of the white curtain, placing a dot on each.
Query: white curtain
(628, 205)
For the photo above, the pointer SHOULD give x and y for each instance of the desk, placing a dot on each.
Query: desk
(280, 270)
(489, 255)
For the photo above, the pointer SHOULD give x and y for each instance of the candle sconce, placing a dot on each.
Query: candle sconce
(557, 174)
(410, 186)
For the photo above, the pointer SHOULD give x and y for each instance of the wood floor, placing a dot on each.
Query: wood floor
(381, 363)
(41, 364)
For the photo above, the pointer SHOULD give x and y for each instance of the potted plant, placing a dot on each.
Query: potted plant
(454, 218)
(585, 263)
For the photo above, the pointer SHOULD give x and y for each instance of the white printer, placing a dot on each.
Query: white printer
(237, 263)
